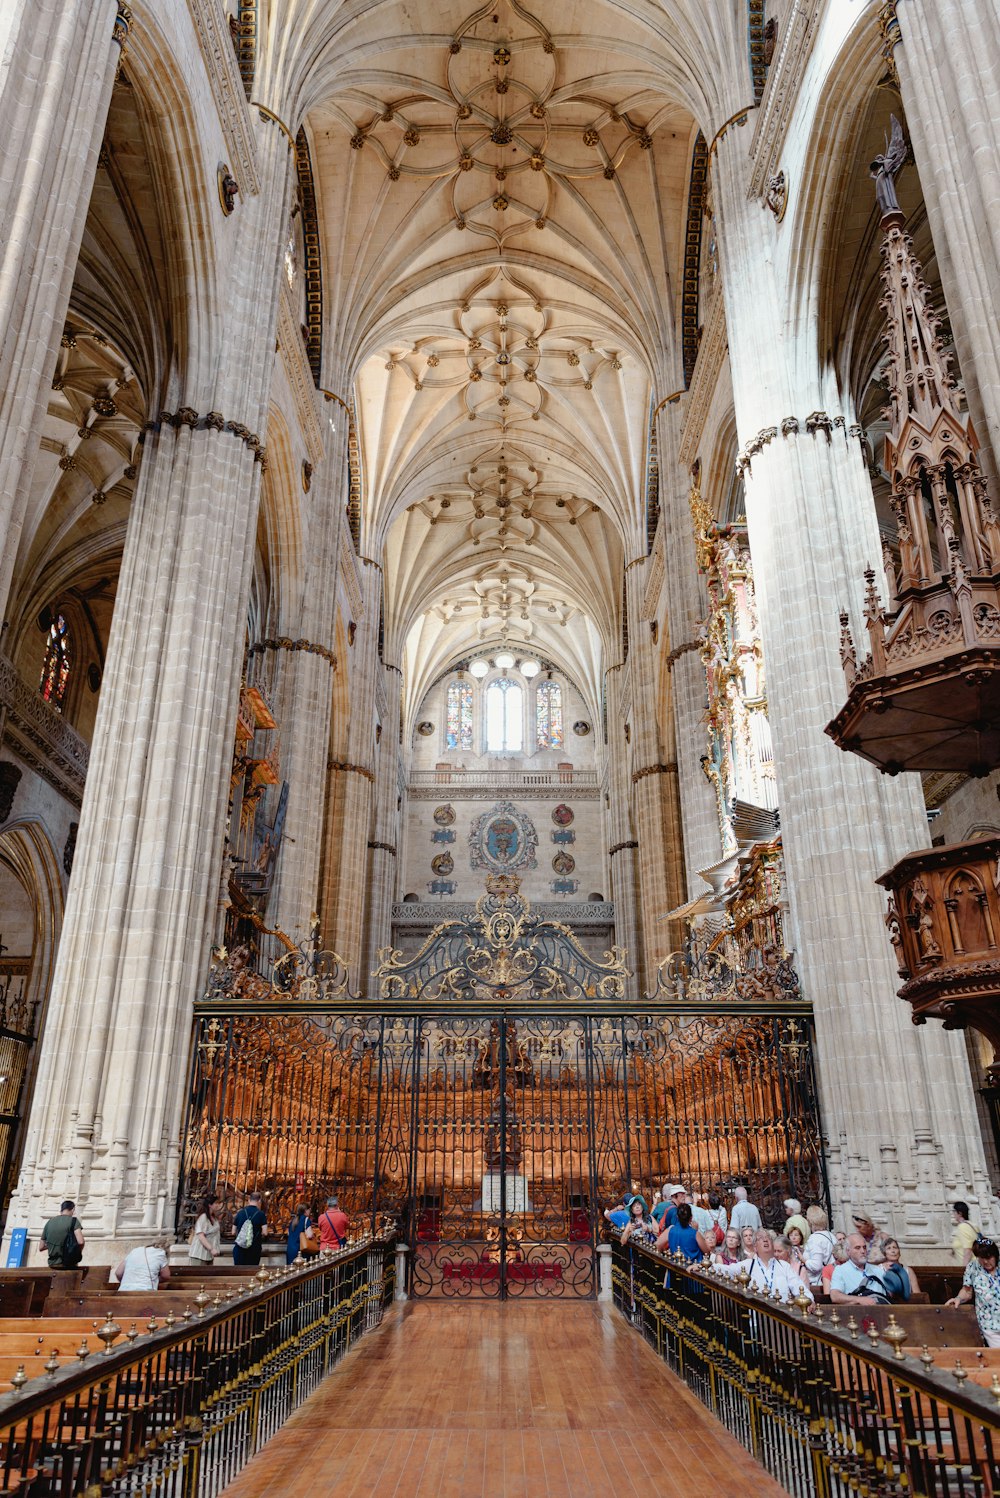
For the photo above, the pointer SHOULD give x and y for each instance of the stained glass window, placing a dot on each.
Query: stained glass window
(458, 730)
(548, 715)
(504, 717)
(55, 667)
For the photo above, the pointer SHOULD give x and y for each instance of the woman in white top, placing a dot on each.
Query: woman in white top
(206, 1240)
(143, 1269)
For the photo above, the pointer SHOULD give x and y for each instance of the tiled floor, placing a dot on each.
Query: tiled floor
(494, 1401)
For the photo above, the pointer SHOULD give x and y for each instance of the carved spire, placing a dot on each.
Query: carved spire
(921, 385)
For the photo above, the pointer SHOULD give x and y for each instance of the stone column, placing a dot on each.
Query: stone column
(58, 69)
(949, 74)
(686, 608)
(623, 862)
(305, 725)
(112, 1081)
(898, 1106)
(350, 782)
(654, 789)
(383, 846)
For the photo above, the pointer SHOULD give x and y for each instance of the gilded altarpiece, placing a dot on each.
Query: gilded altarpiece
(739, 762)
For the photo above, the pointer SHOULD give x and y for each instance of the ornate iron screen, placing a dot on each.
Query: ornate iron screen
(498, 1094)
(496, 1135)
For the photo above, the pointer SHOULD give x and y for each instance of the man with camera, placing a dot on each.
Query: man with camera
(857, 1281)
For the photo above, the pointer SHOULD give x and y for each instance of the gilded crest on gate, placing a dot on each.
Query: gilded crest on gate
(502, 952)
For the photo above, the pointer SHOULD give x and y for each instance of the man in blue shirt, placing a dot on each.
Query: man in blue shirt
(257, 1218)
(857, 1281)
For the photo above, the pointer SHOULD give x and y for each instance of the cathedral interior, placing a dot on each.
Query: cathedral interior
(501, 611)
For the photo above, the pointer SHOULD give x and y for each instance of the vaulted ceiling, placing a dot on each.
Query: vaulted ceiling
(502, 198)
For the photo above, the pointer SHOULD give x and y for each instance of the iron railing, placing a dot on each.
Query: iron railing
(179, 1409)
(826, 1412)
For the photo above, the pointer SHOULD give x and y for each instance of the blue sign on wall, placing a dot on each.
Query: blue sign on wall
(16, 1247)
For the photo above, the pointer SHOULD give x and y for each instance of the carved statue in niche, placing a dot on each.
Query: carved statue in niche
(922, 906)
(886, 168)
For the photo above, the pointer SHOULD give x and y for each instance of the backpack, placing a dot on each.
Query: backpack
(72, 1252)
(244, 1238)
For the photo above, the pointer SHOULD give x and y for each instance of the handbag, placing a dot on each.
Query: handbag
(308, 1243)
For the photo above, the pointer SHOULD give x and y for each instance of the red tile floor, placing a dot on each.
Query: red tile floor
(458, 1401)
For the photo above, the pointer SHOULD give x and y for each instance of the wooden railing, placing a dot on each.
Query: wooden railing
(178, 1408)
(827, 1406)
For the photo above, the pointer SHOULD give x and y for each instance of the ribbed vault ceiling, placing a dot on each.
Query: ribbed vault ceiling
(502, 197)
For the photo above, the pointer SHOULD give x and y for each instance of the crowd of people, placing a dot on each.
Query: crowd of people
(805, 1257)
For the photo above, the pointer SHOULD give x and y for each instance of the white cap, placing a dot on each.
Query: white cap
(674, 1190)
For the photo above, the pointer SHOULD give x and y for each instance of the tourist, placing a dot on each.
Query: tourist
(703, 1219)
(748, 1239)
(730, 1251)
(864, 1225)
(300, 1224)
(684, 1238)
(794, 1217)
(769, 1274)
(618, 1214)
(719, 1215)
(965, 1234)
(817, 1251)
(250, 1224)
(857, 1280)
(981, 1283)
(63, 1238)
(788, 1248)
(839, 1255)
(144, 1269)
(640, 1227)
(334, 1227)
(675, 1195)
(744, 1213)
(900, 1280)
(206, 1240)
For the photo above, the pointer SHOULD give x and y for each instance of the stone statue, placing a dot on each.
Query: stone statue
(886, 168)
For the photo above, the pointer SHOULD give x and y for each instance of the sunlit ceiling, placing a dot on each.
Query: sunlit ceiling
(502, 198)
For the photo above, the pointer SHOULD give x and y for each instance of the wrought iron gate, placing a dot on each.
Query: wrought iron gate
(495, 1135)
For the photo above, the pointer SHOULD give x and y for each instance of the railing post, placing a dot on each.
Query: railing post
(604, 1291)
(401, 1292)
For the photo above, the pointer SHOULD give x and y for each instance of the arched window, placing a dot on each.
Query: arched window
(55, 668)
(458, 729)
(504, 717)
(548, 716)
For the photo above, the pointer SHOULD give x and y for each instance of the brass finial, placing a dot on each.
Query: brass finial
(83, 1351)
(927, 1357)
(108, 1332)
(895, 1335)
(852, 1326)
(958, 1372)
(52, 1366)
(20, 1378)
